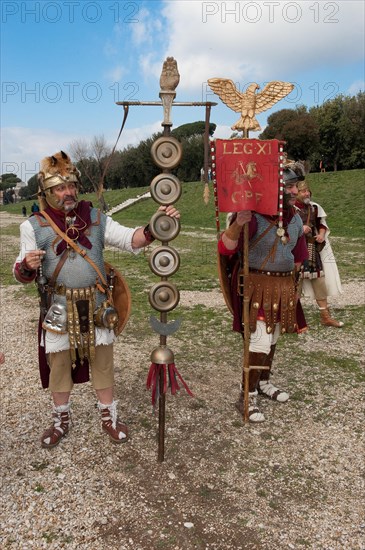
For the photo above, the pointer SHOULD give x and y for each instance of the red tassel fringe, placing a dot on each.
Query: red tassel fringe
(153, 380)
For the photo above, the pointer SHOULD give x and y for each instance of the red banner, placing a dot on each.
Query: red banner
(247, 174)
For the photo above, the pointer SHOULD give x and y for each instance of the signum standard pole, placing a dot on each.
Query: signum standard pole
(161, 402)
(246, 317)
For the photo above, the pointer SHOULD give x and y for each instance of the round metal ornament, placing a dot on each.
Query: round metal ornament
(164, 296)
(163, 227)
(162, 356)
(164, 261)
(165, 189)
(166, 152)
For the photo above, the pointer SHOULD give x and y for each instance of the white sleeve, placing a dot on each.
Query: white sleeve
(120, 236)
(322, 218)
(27, 241)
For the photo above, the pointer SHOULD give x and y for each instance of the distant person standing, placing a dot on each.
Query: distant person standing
(35, 207)
(24, 211)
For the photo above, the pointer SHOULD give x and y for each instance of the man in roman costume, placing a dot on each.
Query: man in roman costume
(320, 278)
(62, 248)
(277, 249)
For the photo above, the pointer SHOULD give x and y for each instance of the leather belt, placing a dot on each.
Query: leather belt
(273, 273)
(60, 289)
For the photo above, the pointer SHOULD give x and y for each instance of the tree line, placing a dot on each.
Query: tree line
(7, 184)
(132, 166)
(329, 136)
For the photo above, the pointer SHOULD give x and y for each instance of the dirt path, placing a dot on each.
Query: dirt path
(293, 482)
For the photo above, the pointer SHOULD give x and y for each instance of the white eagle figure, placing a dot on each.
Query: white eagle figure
(249, 103)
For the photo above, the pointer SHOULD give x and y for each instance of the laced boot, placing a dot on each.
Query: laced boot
(327, 320)
(254, 414)
(61, 423)
(111, 424)
(265, 387)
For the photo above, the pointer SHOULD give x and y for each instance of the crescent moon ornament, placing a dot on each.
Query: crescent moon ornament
(164, 329)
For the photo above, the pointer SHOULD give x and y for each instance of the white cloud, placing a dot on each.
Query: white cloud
(133, 136)
(22, 149)
(356, 87)
(224, 132)
(248, 41)
(244, 41)
(116, 74)
(146, 30)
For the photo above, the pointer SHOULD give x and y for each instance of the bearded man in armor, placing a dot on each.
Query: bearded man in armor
(78, 325)
(320, 278)
(276, 251)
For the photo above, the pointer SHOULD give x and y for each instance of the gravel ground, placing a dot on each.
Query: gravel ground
(295, 481)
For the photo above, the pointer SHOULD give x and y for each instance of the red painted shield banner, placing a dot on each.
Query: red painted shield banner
(247, 173)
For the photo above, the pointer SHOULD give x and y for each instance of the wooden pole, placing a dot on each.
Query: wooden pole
(246, 315)
(206, 143)
(162, 397)
(161, 419)
(246, 321)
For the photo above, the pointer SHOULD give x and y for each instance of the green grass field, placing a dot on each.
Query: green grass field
(340, 193)
(301, 468)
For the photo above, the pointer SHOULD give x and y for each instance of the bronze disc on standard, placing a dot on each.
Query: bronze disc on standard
(164, 296)
(166, 152)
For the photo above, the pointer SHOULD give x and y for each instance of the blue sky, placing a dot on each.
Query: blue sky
(65, 63)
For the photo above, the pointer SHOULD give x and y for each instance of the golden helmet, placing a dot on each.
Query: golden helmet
(55, 170)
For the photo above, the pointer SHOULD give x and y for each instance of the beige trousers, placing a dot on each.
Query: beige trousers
(318, 286)
(102, 370)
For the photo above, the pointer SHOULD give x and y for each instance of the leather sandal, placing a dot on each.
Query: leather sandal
(61, 423)
(254, 413)
(117, 431)
(267, 389)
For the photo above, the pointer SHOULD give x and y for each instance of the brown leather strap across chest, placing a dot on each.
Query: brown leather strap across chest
(75, 246)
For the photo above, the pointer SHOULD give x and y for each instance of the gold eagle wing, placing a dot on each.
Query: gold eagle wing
(271, 94)
(228, 93)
